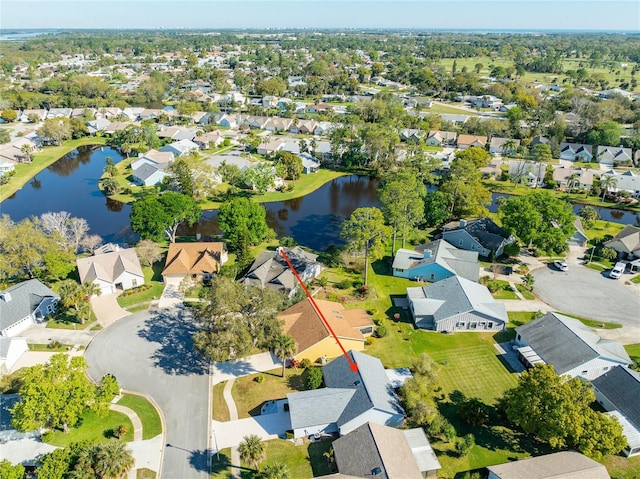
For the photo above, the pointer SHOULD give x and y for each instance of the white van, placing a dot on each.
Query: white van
(617, 270)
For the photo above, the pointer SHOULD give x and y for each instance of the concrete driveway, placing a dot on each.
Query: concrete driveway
(151, 352)
(107, 309)
(252, 364)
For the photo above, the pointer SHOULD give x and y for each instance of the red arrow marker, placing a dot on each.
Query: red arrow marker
(352, 365)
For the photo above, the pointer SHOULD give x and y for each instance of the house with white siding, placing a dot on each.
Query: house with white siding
(115, 271)
(482, 235)
(576, 152)
(569, 346)
(614, 155)
(565, 465)
(11, 350)
(25, 304)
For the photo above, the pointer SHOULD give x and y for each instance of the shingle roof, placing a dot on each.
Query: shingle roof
(484, 230)
(109, 266)
(145, 171)
(193, 258)
(565, 465)
(621, 386)
(460, 262)
(25, 298)
(628, 240)
(317, 407)
(567, 343)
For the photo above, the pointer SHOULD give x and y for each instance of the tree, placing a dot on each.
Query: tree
(112, 460)
(402, 198)
(291, 164)
(158, 215)
(5, 136)
(437, 208)
(55, 130)
(110, 186)
(417, 393)
(607, 182)
(473, 412)
(365, 230)
(26, 151)
(9, 115)
(260, 177)
(463, 185)
(284, 347)
(54, 395)
(277, 470)
(252, 450)
(541, 153)
(589, 215)
(241, 216)
(477, 155)
(149, 252)
(314, 377)
(22, 247)
(108, 388)
(9, 471)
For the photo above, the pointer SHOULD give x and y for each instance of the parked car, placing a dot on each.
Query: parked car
(561, 265)
(617, 270)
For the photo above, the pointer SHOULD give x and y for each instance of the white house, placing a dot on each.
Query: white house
(565, 464)
(158, 159)
(614, 155)
(11, 350)
(25, 304)
(118, 270)
(148, 175)
(180, 148)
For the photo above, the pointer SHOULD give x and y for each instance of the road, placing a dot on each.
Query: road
(151, 352)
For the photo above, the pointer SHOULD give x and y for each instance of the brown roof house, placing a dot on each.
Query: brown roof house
(115, 271)
(467, 141)
(303, 323)
(195, 260)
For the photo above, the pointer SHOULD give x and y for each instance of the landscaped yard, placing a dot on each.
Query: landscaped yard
(634, 352)
(151, 423)
(92, 429)
(152, 277)
(218, 404)
(525, 292)
(52, 347)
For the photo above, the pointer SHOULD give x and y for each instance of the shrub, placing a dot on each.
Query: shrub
(512, 249)
(259, 379)
(381, 331)
(493, 286)
(363, 290)
(305, 363)
(608, 254)
(287, 241)
(120, 431)
(314, 378)
(369, 340)
(344, 284)
(464, 444)
(323, 281)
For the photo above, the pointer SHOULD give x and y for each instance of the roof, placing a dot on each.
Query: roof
(565, 465)
(459, 262)
(158, 156)
(371, 447)
(484, 230)
(422, 451)
(108, 266)
(193, 258)
(318, 406)
(627, 241)
(303, 323)
(455, 295)
(470, 139)
(145, 171)
(25, 298)
(621, 386)
(567, 343)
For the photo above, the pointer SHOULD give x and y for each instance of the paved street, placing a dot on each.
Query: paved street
(151, 352)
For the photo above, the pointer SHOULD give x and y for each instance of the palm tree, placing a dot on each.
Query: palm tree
(277, 470)
(607, 182)
(284, 347)
(572, 180)
(509, 147)
(112, 460)
(252, 450)
(26, 152)
(110, 186)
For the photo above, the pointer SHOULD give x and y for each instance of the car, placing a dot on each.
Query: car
(617, 270)
(561, 265)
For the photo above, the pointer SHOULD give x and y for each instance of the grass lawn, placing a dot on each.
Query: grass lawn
(62, 320)
(636, 279)
(445, 108)
(144, 473)
(634, 352)
(525, 292)
(593, 324)
(603, 228)
(220, 409)
(151, 423)
(92, 429)
(48, 348)
(48, 156)
(152, 276)
(504, 291)
(621, 467)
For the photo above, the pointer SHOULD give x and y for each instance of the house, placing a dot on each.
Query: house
(569, 346)
(11, 350)
(579, 238)
(456, 304)
(528, 173)
(200, 260)
(271, 270)
(447, 155)
(627, 181)
(349, 400)
(540, 140)
(576, 152)
(25, 304)
(312, 335)
(40, 114)
(493, 170)
(319, 108)
(59, 113)
(155, 158)
(614, 155)
(212, 139)
(436, 261)
(323, 128)
(455, 119)
(386, 453)
(227, 121)
(487, 101)
(270, 146)
(177, 133)
(99, 124)
(503, 146)
(116, 271)
(148, 175)
(411, 134)
(481, 235)
(573, 178)
(277, 124)
(180, 148)
(618, 391)
(309, 163)
(441, 138)
(565, 465)
(306, 127)
(467, 141)
(626, 243)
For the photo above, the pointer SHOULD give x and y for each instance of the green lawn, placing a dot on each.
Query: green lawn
(92, 429)
(525, 292)
(220, 411)
(49, 155)
(62, 320)
(151, 423)
(592, 323)
(152, 276)
(636, 279)
(504, 291)
(634, 352)
(440, 108)
(49, 348)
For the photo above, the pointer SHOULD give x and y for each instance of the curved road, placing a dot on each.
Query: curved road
(151, 352)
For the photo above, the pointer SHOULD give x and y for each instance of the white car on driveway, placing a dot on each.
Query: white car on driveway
(561, 265)
(617, 270)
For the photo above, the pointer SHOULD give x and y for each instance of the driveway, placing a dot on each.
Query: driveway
(151, 352)
(107, 309)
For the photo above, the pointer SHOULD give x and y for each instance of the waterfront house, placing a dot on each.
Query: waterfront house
(436, 261)
(180, 148)
(482, 235)
(626, 243)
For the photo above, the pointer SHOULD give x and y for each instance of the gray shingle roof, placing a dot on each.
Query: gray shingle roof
(144, 171)
(621, 386)
(566, 343)
(25, 298)
(484, 230)
(317, 407)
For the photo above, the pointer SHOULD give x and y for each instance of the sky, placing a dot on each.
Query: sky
(596, 15)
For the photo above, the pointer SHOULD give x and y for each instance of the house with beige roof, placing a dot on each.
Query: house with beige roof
(116, 271)
(199, 260)
(626, 243)
(304, 323)
(467, 141)
(565, 465)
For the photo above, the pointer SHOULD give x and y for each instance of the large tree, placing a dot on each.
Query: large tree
(463, 185)
(252, 450)
(9, 471)
(284, 347)
(437, 208)
(365, 231)
(55, 130)
(241, 217)
(402, 198)
(156, 216)
(288, 165)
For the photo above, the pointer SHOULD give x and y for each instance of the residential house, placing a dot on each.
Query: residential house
(149, 175)
(493, 170)
(455, 119)
(349, 400)
(447, 155)
(41, 114)
(12, 153)
(503, 146)
(177, 133)
(270, 146)
(323, 128)
(59, 113)
(565, 465)
(99, 124)
(467, 141)
(230, 159)
(375, 450)
(25, 304)
(576, 152)
(180, 148)
(212, 139)
(540, 140)
(305, 127)
(573, 178)
(481, 235)
(200, 260)
(626, 243)
(411, 134)
(309, 164)
(627, 181)
(155, 158)
(436, 261)
(487, 101)
(618, 391)
(115, 271)
(228, 121)
(108, 113)
(441, 138)
(319, 108)
(133, 113)
(278, 124)
(569, 346)
(257, 122)
(456, 304)
(528, 173)
(270, 270)
(579, 237)
(116, 126)
(614, 155)
(11, 350)
(311, 328)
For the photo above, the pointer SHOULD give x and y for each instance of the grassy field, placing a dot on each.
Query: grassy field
(49, 155)
(445, 108)
(62, 320)
(92, 429)
(151, 422)
(152, 276)
(525, 292)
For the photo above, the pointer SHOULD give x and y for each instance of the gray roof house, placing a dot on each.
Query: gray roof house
(569, 346)
(576, 152)
(441, 138)
(271, 270)
(618, 391)
(148, 175)
(436, 261)
(626, 243)
(565, 465)
(481, 235)
(180, 147)
(349, 400)
(25, 304)
(614, 155)
(386, 453)
(456, 304)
